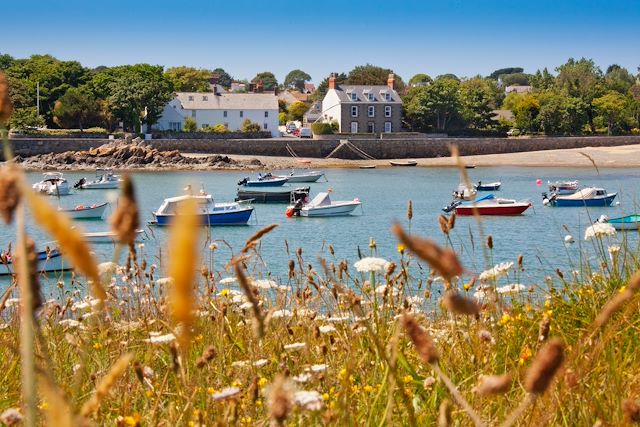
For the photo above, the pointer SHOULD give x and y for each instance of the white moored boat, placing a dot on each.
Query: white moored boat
(309, 176)
(86, 212)
(105, 180)
(48, 261)
(321, 205)
(106, 236)
(53, 184)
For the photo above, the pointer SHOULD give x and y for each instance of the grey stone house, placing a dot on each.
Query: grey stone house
(363, 108)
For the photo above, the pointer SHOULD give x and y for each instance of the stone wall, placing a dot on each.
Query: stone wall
(380, 149)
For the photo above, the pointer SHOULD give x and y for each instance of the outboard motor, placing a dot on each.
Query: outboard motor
(452, 206)
(298, 207)
(80, 183)
(243, 181)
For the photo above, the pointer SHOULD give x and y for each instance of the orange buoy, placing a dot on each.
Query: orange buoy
(289, 212)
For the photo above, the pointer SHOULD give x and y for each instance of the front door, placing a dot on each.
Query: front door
(354, 127)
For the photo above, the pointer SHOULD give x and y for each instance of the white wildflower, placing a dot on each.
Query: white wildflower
(148, 372)
(226, 393)
(497, 271)
(76, 368)
(284, 313)
(246, 306)
(80, 306)
(568, 239)
(295, 346)
(11, 302)
(260, 363)
(302, 378)
(371, 264)
(71, 323)
(107, 268)
(415, 300)
(165, 281)
(309, 400)
(228, 280)
(11, 417)
(599, 230)
(304, 312)
(318, 368)
(160, 339)
(325, 329)
(613, 249)
(513, 288)
(429, 382)
(239, 364)
(338, 319)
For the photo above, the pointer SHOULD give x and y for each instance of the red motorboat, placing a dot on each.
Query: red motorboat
(491, 205)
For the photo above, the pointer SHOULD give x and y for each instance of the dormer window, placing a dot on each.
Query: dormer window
(354, 96)
(190, 97)
(370, 96)
(387, 96)
(205, 98)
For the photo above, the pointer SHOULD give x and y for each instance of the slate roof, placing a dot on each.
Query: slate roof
(362, 91)
(227, 101)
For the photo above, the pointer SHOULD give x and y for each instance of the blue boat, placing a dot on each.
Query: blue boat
(590, 197)
(209, 213)
(50, 261)
(629, 222)
(266, 180)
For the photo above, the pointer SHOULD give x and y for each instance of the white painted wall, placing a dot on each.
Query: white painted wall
(331, 107)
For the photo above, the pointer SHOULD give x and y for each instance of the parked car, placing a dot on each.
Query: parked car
(305, 133)
(296, 132)
(291, 127)
(513, 132)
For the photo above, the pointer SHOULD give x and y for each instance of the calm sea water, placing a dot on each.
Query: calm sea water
(538, 234)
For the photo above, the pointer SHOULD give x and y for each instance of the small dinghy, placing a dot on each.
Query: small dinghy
(489, 205)
(269, 196)
(310, 176)
(53, 184)
(209, 213)
(489, 186)
(367, 166)
(623, 223)
(590, 196)
(562, 188)
(321, 205)
(86, 212)
(403, 162)
(104, 180)
(106, 236)
(267, 180)
(465, 193)
(48, 261)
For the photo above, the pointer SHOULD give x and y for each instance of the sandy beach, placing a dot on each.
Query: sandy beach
(627, 156)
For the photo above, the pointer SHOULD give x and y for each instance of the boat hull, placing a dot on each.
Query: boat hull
(625, 223)
(497, 210)
(86, 213)
(105, 237)
(108, 185)
(488, 187)
(595, 202)
(273, 196)
(236, 217)
(266, 183)
(308, 177)
(407, 163)
(51, 264)
(333, 210)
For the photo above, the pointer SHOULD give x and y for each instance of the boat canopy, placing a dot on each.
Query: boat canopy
(170, 204)
(481, 199)
(322, 199)
(586, 193)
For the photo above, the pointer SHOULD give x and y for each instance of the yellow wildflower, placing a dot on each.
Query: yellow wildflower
(367, 389)
(211, 390)
(407, 379)
(259, 403)
(148, 393)
(43, 406)
(525, 355)
(97, 346)
(236, 383)
(352, 379)
(132, 420)
(401, 248)
(325, 396)
(199, 338)
(466, 286)
(505, 319)
(262, 382)
(622, 289)
(224, 292)
(355, 388)
(342, 374)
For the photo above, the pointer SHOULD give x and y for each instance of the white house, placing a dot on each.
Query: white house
(228, 109)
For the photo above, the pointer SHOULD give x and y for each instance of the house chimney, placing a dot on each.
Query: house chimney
(213, 83)
(391, 81)
(260, 86)
(332, 81)
(252, 87)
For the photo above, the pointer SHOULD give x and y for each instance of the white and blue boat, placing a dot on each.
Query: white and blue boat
(209, 213)
(623, 223)
(590, 197)
(267, 180)
(50, 261)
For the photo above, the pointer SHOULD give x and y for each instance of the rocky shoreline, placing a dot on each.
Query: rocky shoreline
(133, 155)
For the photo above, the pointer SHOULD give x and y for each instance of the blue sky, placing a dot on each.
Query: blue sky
(464, 37)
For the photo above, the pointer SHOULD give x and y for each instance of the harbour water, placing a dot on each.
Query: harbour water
(538, 235)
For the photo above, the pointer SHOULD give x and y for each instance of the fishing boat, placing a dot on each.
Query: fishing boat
(489, 205)
(465, 193)
(208, 212)
(590, 196)
(48, 261)
(267, 196)
(267, 180)
(104, 180)
(562, 188)
(623, 223)
(321, 206)
(86, 212)
(403, 162)
(53, 184)
(489, 186)
(367, 166)
(106, 236)
(310, 176)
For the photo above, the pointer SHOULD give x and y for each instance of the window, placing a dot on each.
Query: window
(370, 96)
(354, 96)
(387, 96)
(266, 114)
(354, 111)
(205, 125)
(371, 111)
(193, 113)
(387, 127)
(371, 127)
(241, 113)
(387, 110)
(175, 126)
(354, 127)
(224, 114)
(265, 126)
(190, 97)
(205, 98)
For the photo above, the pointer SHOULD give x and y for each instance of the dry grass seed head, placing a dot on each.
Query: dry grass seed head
(6, 108)
(421, 339)
(280, 399)
(544, 366)
(451, 223)
(631, 411)
(125, 221)
(444, 261)
(616, 302)
(444, 224)
(32, 271)
(493, 384)
(256, 237)
(105, 384)
(444, 413)
(207, 355)
(183, 241)
(410, 210)
(459, 304)
(9, 192)
(490, 241)
(543, 330)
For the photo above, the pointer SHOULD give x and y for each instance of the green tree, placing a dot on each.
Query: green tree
(511, 70)
(373, 75)
(6, 61)
(190, 125)
(519, 79)
(249, 126)
(581, 79)
(450, 76)
(619, 79)
(476, 96)
(560, 114)
(224, 78)
(634, 104)
(296, 79)
(420, 79)
(542, 80)
(25, 118)
(282, 106)
(433, 107)
(282, 118)
(76, 109)
(189, 79)
(526, 112)
(135, 89)
(611, 107)
(268, 79)
(297, 110)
